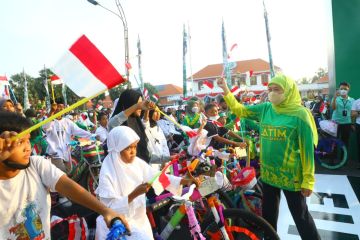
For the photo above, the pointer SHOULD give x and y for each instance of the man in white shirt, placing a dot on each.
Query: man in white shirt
(58, 135)
(102, 131)
(355, 113)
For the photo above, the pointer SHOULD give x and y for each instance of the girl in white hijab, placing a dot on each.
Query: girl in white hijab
(123, 182)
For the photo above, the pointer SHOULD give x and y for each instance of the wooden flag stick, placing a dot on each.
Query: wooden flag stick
(49, 119)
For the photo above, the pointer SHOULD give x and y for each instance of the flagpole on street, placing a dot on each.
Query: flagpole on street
(139, 64)
(46, 85)
(268, 37)
(49, 119)
(122, 17)
(184, 62)
(26, 94)
(191, 73)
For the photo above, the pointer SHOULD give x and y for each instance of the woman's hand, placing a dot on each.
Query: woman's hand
(306, 192)
(146, 105)
(222, 84)
(110, 214)
(239, 144)
(7, 145)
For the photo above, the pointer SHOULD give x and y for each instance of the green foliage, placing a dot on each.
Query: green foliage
(151, 89)
(37, 90)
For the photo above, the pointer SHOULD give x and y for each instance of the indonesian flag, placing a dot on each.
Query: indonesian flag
(55, 80)
(85, 70)
(323, 108)
(237, 124)
(209, 84)
(4, 78)
(155, 97)
(235, 90)
(162, 181)
(231, 49)
(128, 66)
(146, 93)
(4, 87)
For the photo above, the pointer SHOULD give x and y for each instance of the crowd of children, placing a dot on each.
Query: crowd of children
(137, 135)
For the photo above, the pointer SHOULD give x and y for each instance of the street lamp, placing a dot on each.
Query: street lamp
(122, 17)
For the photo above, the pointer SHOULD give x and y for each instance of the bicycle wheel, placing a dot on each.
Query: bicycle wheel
(331, 153)
(244, 225)
(90, 182)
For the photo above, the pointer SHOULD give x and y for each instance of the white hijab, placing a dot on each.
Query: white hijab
(118, 178)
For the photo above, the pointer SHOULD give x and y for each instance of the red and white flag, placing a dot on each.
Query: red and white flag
(4, 87)
(209, 84)
(145, 93)
(237, 124)
(55, 80)
(4, 79)
(155, 97)
(249, 74)
(85, 70)
(235, 90)
(162, 181)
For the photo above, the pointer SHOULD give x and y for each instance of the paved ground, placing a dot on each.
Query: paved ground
(350, 169)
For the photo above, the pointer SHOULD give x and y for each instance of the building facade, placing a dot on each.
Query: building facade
(251, 76)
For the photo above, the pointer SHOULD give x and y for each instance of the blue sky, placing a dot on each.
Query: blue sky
(38, 32)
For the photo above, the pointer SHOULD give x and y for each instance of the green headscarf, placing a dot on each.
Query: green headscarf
(292, 103)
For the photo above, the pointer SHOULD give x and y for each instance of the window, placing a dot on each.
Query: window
(264, 79)
(234, 81)
(253, 81)
(242, 79)
(200, 84)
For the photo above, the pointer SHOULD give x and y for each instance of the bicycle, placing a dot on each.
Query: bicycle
(330, 152)
(87, 157)
(218, 220)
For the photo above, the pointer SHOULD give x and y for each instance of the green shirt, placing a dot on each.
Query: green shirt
(192, 121)
(341, 105)
(286, 146)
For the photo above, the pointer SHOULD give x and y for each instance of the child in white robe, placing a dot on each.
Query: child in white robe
(123, 182)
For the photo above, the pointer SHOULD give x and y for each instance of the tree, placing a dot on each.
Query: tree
(304, 80)
(151, 89)
(321, 72)
(17, 82)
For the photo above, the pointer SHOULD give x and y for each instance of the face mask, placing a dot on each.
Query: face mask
(276, 98)
(214, 118)
(317, 101)
(16, 166)
(195, 109)
(343, 92)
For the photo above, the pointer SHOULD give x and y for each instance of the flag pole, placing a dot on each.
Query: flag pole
(52, 92)
(68, 109)
(26, 94)
(46, 86)
(190, 65)
(184, 62)
(268, 38)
